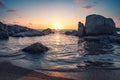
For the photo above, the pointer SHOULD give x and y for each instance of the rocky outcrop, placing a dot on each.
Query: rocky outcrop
(99, 25)
(81, 29)
(28, 34)
(47, 31)
(98, 28)
(20, 31)
(3, 31)
(14, 29)
(32, 33)
(36, 48)
(73, 33)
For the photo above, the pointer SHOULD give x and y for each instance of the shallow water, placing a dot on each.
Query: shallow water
(66, 54)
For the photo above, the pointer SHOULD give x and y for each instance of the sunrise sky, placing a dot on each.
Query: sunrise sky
(65, 14)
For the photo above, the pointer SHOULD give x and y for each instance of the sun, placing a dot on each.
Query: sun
(57, 26)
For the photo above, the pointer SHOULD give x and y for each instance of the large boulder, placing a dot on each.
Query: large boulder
(3, 31)
(98, 25)
(36, 48)
(81, 29)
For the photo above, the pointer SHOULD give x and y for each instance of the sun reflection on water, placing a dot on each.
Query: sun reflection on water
(57, 37)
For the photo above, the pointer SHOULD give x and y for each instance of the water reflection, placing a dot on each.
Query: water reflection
(57, 37)
(94, 47)
(95, 53)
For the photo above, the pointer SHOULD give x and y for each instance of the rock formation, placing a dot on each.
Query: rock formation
(98, 28)
(14, 29)
(47, 31)
(36, 48)
(73, 32)
(81, 29)
(20, 31)
(3, 31)
(28, 34)
(99, 25)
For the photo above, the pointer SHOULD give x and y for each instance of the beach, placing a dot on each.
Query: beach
(10, 72)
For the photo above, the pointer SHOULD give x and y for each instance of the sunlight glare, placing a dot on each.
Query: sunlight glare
(57, 26)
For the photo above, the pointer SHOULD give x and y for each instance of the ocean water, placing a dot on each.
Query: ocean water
(66, 54)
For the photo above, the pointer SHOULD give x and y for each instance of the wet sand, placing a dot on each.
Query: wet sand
(90, 74)
(10, 72)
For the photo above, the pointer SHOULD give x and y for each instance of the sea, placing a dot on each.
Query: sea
(68, 55)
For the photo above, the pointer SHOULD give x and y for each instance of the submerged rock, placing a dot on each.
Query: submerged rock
(36, 48)
(99, 25)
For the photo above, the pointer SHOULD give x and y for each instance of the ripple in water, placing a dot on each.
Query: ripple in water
(66, 53)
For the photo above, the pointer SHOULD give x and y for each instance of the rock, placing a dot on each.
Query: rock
(81, 29)
(28, 34)
(99, 25)
(3, 35)
(47, 31)
(14, 29)
(20, 31)
(36, 48)
(3, 31)
(73, 32)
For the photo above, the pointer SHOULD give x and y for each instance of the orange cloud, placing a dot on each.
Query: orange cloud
(87, 7)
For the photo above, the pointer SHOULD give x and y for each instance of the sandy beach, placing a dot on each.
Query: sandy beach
(10, 72)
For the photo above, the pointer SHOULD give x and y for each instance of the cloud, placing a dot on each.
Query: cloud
(87, 7)
(19, 17)
(11, 10)
(79, 0)
(30, 23)
(15, 22)
(1, 3)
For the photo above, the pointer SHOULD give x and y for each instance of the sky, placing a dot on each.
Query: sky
(41, 14)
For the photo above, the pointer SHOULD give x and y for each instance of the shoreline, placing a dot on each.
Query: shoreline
(11, 72)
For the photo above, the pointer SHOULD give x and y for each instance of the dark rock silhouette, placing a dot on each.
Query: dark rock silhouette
(73, 32)
(47, 31)
(36, 48)
(81, 29)
(98, 28)
(98, 25)
(28, 34)
(20, 31)
(14, 29)
(3, 31)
